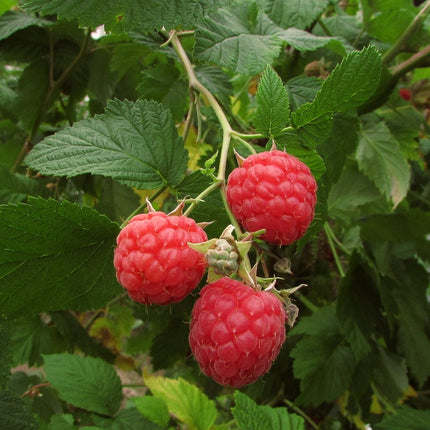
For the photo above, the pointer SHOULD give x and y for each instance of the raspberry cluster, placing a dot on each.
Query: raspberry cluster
(274, 191)
(236, 332)
(153, 260)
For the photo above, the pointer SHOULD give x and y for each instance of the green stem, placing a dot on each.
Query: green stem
(307, 418)
(340, 245)
(324, 27)
(411, 63)
(333, 250)
(201, 196)
(407, 34)
(307, 302)
(246, 136)
(244, 143)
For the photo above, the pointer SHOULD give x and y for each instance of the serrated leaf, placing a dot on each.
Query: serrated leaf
(304, 41)
(251, 416)
(231, 39)
(350, 84)
(135, 143)
(86, 382)
(14, 413)
(296, 13)
(272, 113)
(184, 400)
(145, 14)
(406, 418)
(56, 250)
(381, 160)
(322, 362)
(153, 408)
(13, 21)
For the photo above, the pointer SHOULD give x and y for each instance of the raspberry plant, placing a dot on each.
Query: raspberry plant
(106, 105)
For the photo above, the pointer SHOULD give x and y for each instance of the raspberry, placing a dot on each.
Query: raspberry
(153, 260)
(274, 191)
(236, 332)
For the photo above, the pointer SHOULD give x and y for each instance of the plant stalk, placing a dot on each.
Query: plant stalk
(407, 34)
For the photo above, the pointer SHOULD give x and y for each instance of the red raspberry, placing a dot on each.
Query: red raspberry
(405, 94)
(236, 332)
(275, 191)
(153, 260)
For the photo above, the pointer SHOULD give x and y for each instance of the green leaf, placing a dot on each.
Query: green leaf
(14, 413)
(304, 41)
(58, 251)
(251, 416)
(15, 187)
(303, 89)
(86, 382)
(381, 160)
(13, 21)
(237, 39)
(184, 400)
(350, 84)
(6, 5)
(406, 418)
(5, 352)
(322, 362)
(296, 13)
(153, 408)
(126, 419)
(135, 143)
(128, 14)
(272, 113)
(163, 84)
(358, 291)
(61, 422)
(349, 193)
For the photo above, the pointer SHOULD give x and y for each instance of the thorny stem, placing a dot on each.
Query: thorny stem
(307, 418)
(411, 63)
(407, 34)
(200, 197)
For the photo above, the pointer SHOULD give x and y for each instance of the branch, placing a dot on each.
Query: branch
(407, 34)
(411, 63)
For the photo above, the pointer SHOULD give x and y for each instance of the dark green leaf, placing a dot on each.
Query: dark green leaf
(380, 159)
(12, 21)
(322, 362)
(5, 352)
(230, 39)
(296, 13)
(55, 250)
(126, 419)
(15, 187)
(251, 416)
(86, 382)
(14, 414)
(164, 84)
(358, 291)
(350, 84)
(146, 14)
(303, 89)
(406, 418)
(272, 113)
(135, 143)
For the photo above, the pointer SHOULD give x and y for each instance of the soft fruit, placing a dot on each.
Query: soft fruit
(274, 191)
(236, 331)
(153, 260)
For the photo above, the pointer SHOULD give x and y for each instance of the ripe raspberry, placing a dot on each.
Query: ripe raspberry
(275, 191)
(236, 332)
(153, 260)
